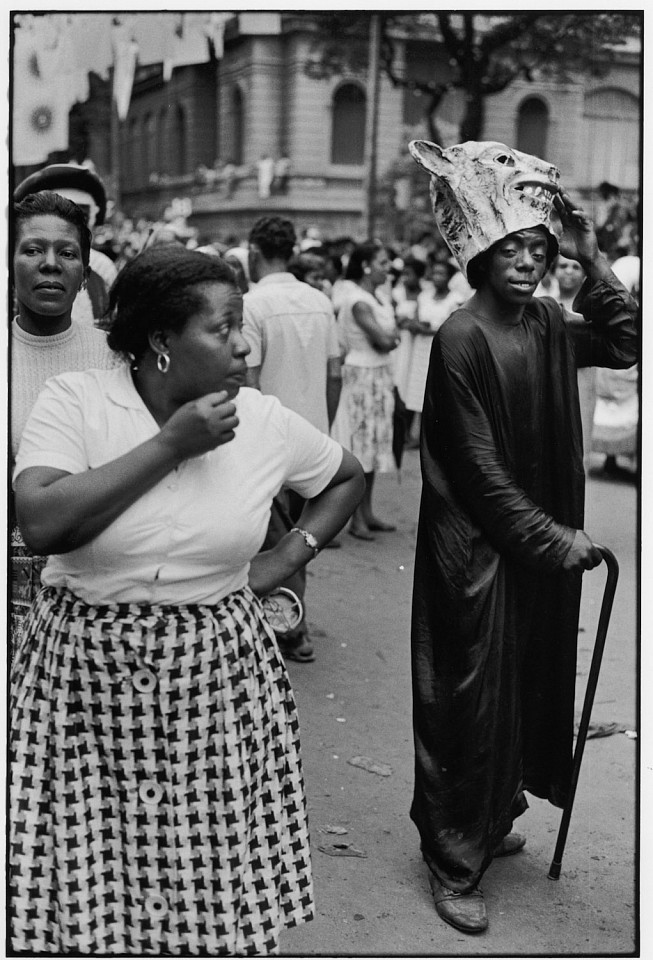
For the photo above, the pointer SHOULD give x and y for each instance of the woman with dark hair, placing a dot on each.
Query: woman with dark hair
(50, 265)
(157, 795)
(369, 331)
(308, 267)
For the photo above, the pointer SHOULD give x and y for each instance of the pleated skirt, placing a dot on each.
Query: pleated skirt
(156, 797)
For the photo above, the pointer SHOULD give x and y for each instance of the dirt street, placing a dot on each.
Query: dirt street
(355, 702)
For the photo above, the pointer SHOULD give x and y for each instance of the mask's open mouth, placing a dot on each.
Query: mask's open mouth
(545, 190)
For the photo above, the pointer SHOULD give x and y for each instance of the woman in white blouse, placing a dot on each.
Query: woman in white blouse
(157, 795)
(369, 331)
(434, 305)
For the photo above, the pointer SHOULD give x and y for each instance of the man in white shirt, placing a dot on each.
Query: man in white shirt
(291, 330)
(84, 188)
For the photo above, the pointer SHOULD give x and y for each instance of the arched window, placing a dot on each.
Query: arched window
(162, 146)
(238, 117)
(611, 117)
(179, 141)
(533, 127)
(348, 125)
(148, 147)
(152, 159)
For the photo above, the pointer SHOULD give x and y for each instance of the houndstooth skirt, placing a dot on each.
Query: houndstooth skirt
(156, 795)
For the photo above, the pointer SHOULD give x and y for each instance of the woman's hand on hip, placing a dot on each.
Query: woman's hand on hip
(267, 570)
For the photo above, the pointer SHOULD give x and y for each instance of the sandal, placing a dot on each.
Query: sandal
(361, 534)
(297, 648)
(381, 526)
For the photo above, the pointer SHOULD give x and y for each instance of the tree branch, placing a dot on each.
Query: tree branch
(503, 33)
(496, 85)
(435, 91)
(451, 39)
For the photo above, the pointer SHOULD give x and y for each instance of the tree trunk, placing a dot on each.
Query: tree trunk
(432, 124)
(431, 121)
(473, 121)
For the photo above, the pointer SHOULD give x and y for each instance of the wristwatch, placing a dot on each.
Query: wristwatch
(308, 539)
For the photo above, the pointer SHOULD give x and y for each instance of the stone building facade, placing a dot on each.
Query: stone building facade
(208, 136)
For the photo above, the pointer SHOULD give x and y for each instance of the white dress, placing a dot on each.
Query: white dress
(364, 420)
(434, 312)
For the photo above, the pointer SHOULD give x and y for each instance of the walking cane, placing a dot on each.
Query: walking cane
(592, 681)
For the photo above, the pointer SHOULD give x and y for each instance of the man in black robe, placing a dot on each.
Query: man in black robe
(501, 551)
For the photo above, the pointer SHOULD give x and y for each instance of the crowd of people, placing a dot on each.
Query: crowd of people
(609, 400)
(192, 422)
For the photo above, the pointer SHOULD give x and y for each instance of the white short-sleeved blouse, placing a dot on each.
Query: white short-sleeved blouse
(361, 352)
(190, 538)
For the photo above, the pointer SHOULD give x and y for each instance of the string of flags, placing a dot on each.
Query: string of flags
(54, 53)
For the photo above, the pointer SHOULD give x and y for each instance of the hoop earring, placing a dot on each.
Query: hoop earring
(163, 362)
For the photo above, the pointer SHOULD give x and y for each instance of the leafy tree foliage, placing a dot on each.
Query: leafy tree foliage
(485, 53)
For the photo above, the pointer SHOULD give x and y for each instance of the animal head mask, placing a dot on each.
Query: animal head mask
(481, 192)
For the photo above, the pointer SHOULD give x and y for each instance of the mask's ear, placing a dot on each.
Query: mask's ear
(430, 156)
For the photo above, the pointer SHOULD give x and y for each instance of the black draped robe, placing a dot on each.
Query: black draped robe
(495, 618)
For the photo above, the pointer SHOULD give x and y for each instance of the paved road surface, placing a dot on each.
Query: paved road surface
(354, 701)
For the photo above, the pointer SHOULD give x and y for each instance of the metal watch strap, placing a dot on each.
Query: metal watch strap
(308, 539)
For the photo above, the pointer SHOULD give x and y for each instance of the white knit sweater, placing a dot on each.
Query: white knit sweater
(35, 359)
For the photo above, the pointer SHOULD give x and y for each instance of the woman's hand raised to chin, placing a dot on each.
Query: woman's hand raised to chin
(59, 511)
(200, 425)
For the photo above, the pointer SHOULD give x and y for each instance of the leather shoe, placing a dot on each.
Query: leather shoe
(464, 911)
(511, 843)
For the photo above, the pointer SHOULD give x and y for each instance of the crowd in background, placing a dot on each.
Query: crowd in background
(132, 618)
(422, 271)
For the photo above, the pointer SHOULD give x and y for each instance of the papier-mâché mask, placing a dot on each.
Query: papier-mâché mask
(481, 192)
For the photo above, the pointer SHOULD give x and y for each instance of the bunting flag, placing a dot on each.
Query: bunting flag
(54, 52)
(215, 31)
(185, 41)
(125, 54)
(46, 83)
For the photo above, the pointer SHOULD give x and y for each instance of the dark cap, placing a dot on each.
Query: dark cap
(59, 176)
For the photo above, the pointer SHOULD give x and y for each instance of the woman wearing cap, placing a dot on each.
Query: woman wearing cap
(157, 794)
(50, 266)
(368, 327)
(83, 187)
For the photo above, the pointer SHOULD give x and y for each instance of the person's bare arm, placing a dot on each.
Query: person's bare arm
(333, 387)
(323, 516)
(380, 339)
(59, 511)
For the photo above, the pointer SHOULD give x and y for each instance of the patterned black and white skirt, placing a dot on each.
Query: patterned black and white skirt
(156, 800)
